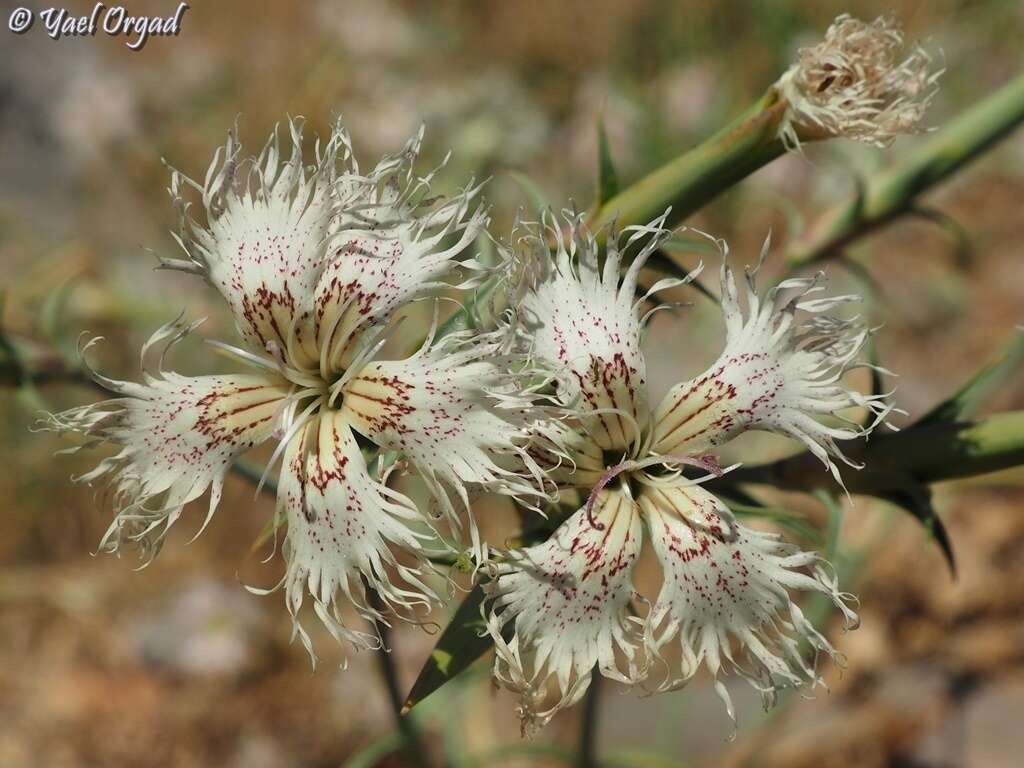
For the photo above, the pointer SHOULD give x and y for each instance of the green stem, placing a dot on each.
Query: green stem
(412, 745)
(586, 756)
(894, 192)
(701, 174)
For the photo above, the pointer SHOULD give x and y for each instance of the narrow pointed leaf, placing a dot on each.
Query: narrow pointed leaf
(538, 201)
(607, 178)
(459, 646)
(464, 639)
(967, 400)
(917, 500)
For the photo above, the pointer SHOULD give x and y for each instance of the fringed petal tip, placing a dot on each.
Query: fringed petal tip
(567, 603)
(392, 244)
(780, 372)
(855, 84)
(580, 318)
(351, 540)
(723, 594)
(262, 239)
(459, 413)
(309, 256)
(562, 246)
(177, 437)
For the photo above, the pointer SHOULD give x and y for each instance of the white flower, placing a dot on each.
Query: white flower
(313, 262)
(855, 84)
(561, 608)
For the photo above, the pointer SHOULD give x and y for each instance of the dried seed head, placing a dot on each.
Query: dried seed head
(853, 84)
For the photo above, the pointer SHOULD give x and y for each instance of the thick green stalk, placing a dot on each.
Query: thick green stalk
(923, 454)
(696, 177)
(894, 192)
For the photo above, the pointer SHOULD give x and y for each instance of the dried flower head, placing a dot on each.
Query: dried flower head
(854, 84)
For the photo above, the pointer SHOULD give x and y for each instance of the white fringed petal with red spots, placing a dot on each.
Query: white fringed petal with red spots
(177, 435)
(314, 260)
(775, 374)
(451, 409)
(263, 246)
(728, 585)
(344, 527)
(567, 600)
(392, 244)
(583, 321)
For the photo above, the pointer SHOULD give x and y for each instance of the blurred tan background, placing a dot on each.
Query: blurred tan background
(177, 665)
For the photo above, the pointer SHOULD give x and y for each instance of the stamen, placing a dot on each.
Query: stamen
(275, 352)
(707, 462)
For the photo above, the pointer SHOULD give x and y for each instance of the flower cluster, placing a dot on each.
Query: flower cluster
(317, 261)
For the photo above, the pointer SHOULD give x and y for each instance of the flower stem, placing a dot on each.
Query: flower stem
(412, 745)
(894, 193)
(699, 175)
(586, 756)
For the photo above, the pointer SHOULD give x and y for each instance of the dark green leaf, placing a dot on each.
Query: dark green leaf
(458, 647)
(917, 499)
(967, 400)
(877, 385)
(607, 178)
(461, 643)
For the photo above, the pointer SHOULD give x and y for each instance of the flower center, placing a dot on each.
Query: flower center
(707, 462)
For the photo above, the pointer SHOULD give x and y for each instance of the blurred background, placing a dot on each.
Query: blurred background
(177, 665)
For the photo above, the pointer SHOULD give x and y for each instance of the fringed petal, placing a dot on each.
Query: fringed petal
(393, 243)
(455, 412)
(568, 457)
(854, 84)
(567, 600)
(178, 437)
(583, 320)
(775, 374)
(347, 532)
(263, 244)
(725, 596)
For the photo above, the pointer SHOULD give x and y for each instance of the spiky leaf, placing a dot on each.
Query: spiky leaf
(917, 499)
(967, 400)
(462, 643)
(607, 178)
